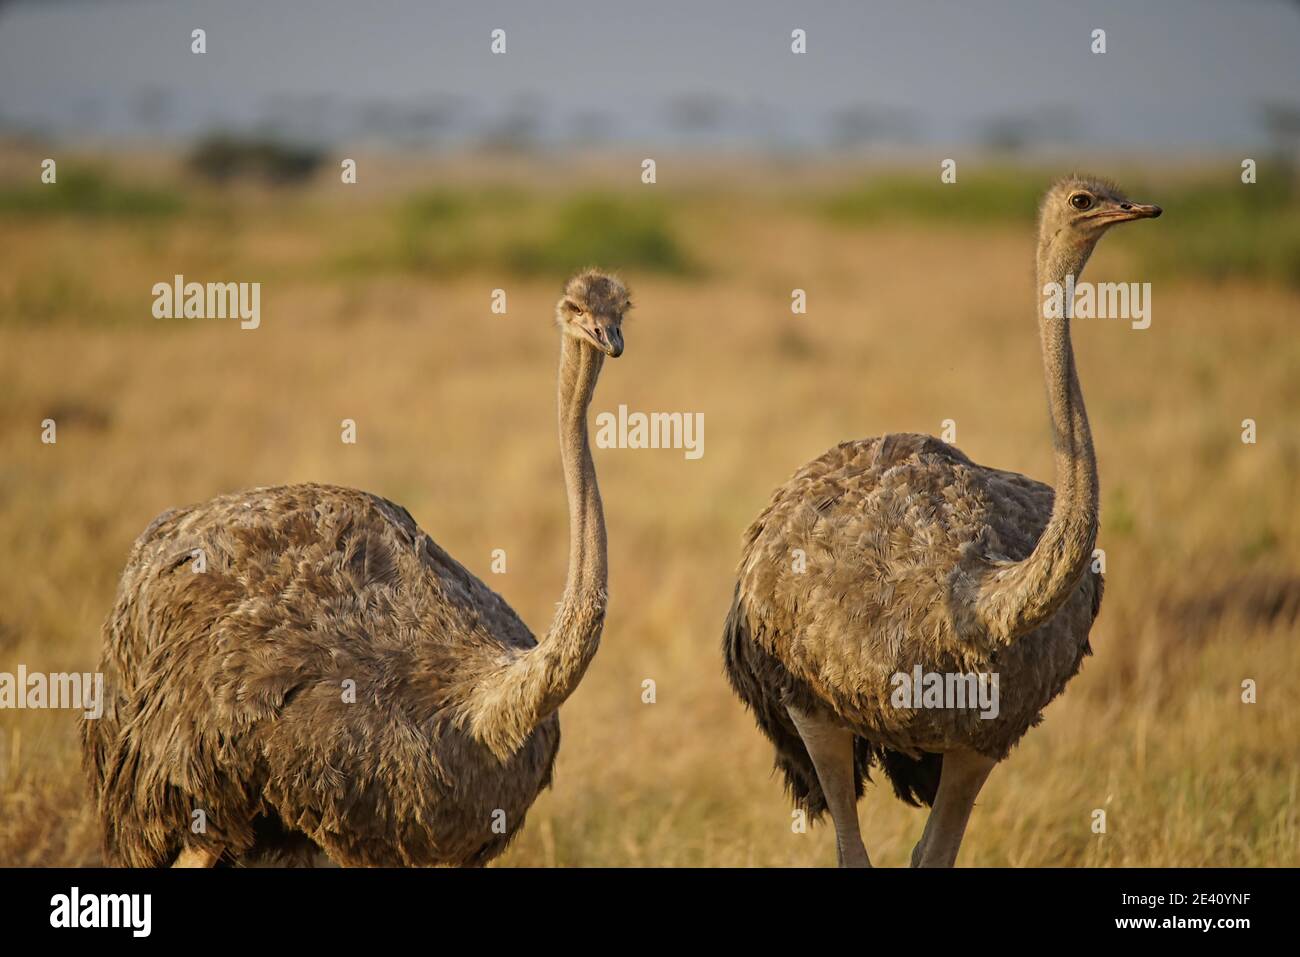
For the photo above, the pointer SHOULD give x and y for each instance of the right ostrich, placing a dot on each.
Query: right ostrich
(891, 553)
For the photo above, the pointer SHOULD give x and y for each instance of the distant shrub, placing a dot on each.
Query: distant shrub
(439, 206)
(435, 206)
(222, 157)
(441, 229)
(605, 230)
(84, 191)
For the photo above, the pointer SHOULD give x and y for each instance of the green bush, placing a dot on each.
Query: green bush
(602, 230)
(441, 206)
(440, 229)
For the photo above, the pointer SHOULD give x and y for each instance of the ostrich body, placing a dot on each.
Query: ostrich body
(336, 681)
(893, 552)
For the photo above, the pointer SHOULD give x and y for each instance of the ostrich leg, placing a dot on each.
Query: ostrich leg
(197, 857)
(964, 773)
(831, 748)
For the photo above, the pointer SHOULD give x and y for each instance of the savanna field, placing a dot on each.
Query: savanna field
(375, 307)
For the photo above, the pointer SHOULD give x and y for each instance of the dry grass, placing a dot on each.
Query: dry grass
(909, 325)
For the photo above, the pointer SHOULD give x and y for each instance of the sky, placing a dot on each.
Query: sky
(1176, 74)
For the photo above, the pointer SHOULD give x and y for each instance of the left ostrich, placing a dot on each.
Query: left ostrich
(299, 669)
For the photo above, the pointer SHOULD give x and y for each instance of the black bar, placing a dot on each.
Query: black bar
(255, 907)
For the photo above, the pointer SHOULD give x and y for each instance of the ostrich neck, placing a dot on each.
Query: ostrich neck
(1075, 459)
(1017, 598)
(587, 576)
(512, 702)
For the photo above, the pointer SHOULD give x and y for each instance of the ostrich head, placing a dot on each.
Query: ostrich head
(591, 310)
(1076, 212)
(1086, 208)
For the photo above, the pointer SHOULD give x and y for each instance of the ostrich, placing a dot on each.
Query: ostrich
(334, 681)
(893, 552)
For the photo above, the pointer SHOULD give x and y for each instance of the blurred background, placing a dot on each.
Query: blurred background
(774, 171)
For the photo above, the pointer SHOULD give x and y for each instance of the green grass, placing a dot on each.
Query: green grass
(1214, 229)
(441, 231)
(84, 191)
(994, 196)
(1227, 230)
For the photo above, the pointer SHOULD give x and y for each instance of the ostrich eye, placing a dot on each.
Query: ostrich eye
(1081, 201)
(576, 309)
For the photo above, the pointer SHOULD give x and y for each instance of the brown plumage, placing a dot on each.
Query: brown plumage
(333, 679)
(892, 552)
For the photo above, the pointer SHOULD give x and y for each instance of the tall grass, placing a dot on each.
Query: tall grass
(457, 423)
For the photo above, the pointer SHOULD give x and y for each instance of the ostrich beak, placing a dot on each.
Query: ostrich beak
(1130, 211)
(610, 341)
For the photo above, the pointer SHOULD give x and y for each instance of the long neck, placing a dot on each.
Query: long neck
(510, 703)
(1017, 598)
(588, 572)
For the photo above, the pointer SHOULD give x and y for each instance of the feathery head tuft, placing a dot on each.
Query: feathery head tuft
(592, 309)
